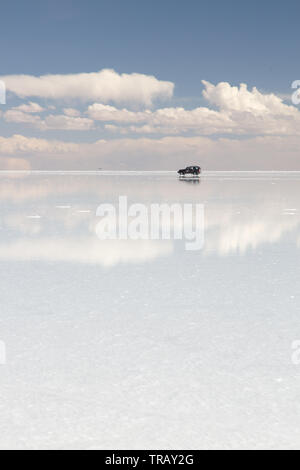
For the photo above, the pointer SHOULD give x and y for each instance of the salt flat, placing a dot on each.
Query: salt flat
(143, 344)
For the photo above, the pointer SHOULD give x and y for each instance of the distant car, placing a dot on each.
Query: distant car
(190, 170)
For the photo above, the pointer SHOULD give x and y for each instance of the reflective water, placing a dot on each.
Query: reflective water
(143, 344)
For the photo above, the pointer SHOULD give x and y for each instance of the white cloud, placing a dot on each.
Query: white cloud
(263, 132)
(58, 122)
(13, 115)
(62, 122)
(273, 153)
(19, 144)
(101, 112)
(105, 86)
(253, 112)
(71, 112)
(29, 108)
(232, 98)
(165, 120)
(177, 121)
(240, 112)
(145, 129)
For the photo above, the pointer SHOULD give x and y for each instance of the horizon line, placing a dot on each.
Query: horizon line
(105, 172)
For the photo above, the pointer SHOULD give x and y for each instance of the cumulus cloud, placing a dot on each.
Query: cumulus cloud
(16, 116)
(50, 122)
(71, 112)
(165, 121)
(101, 112)
(29, 108)
(233, 98)
(252, 111)
(240, 111)
(104, 86)
(270, 131)
(19, 144)
(63, 122)
(26, 113)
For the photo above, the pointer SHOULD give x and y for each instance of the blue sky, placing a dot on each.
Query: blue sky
(253, 42)
(177, 42)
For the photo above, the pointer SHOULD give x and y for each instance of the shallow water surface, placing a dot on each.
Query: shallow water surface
(142, 343)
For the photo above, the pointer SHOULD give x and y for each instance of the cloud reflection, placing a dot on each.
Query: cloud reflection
(53, 218)
(85, 250)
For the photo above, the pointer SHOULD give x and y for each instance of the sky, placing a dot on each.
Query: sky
(149, 85)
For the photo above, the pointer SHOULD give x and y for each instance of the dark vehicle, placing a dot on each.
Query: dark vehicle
(190, 170)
